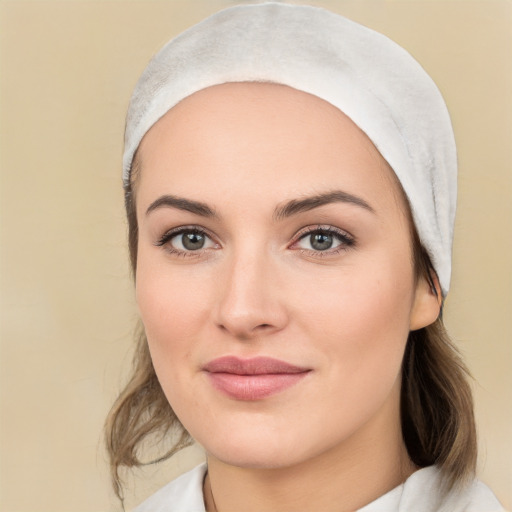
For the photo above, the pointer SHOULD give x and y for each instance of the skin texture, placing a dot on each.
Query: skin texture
(258, 287)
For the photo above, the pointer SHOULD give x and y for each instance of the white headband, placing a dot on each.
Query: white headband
(370, 78)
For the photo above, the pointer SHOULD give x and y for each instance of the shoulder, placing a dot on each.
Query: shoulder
(185, 494)
(422, 492)
(482, 499)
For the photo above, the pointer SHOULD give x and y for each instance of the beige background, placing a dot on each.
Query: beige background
(67, 311)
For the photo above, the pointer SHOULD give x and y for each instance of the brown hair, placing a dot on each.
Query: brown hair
(437, 417)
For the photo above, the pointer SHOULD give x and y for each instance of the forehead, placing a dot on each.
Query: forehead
(261, 106)
(247, 135)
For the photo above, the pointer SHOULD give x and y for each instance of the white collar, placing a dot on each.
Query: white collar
(419, 493)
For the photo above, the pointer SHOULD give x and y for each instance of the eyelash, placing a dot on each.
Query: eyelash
(345, 240)
(172, 233)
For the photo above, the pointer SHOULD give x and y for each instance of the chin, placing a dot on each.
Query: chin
(254, 457)
(263, 447)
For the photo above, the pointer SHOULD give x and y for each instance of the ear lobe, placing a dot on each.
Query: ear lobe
(427, 302)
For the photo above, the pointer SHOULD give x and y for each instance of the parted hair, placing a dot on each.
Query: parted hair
(436, 408)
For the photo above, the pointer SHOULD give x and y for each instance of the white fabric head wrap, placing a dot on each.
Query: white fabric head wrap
(363, 73)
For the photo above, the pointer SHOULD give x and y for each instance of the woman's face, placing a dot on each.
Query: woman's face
(274, 276)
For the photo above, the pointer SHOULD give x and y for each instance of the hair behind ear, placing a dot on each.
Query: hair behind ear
(438, 423)
(140, 412)
(437, 416)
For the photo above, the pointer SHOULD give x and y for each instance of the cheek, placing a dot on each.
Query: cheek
(168, 294)
(173, 315)
(173, 307)
(361, 323)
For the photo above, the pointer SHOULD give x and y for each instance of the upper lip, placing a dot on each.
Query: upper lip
(253, 366)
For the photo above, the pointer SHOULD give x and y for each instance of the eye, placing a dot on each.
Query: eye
(323, 239)
(320, 241)
(186, 240)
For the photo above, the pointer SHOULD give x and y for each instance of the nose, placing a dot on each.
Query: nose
(250, 304)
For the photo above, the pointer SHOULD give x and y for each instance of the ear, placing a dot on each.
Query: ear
(427, 302)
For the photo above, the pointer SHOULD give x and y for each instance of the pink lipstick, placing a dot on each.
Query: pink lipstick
(252, 379)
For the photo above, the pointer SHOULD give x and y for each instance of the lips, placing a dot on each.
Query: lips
(252, 379)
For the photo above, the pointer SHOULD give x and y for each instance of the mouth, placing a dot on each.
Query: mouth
(252, 379)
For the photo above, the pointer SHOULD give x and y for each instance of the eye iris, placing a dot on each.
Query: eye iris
(193, 241)
(321, 241)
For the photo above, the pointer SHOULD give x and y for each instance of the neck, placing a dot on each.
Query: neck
(343, 479)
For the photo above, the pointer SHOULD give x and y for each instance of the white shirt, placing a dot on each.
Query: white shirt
(419, 493)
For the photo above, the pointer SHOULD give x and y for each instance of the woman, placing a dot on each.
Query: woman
(290, 191)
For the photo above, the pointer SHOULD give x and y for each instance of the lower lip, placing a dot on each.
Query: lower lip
(254, 387)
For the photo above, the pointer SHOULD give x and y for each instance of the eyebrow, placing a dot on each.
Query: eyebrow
(290, 208)
(309, 203)
(180, 203)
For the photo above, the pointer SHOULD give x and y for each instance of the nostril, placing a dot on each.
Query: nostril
(244, 332)
(263, 327)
